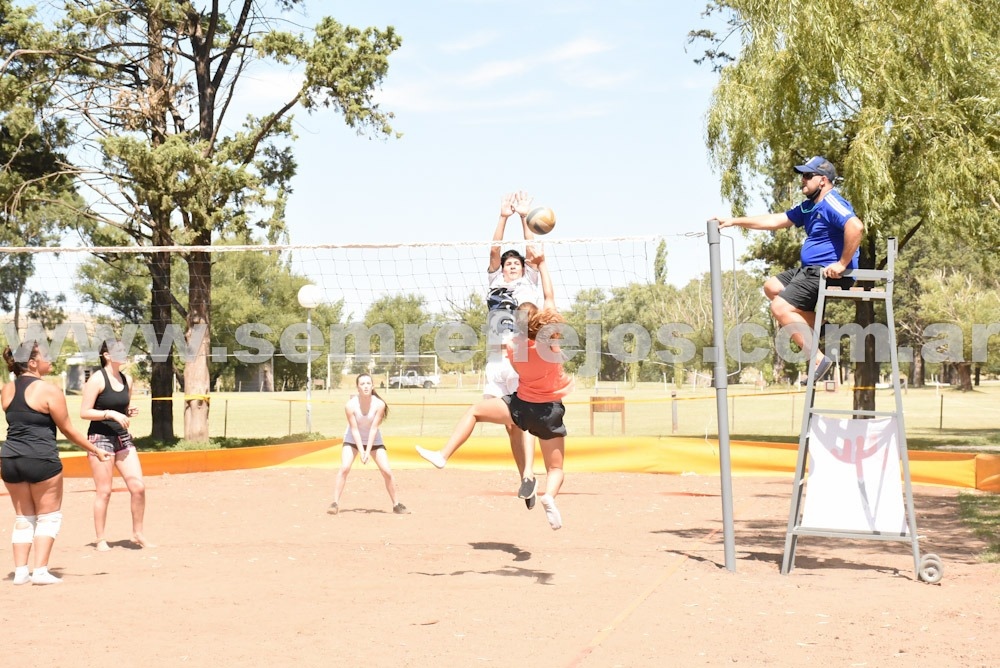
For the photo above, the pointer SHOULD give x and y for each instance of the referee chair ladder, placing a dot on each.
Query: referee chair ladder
(879, 287)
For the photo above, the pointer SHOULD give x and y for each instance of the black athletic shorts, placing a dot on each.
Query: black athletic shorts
(28, 469)
(802, 286)
(543, 420)
(374, 447)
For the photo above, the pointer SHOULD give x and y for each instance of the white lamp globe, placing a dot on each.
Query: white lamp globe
(310, 296)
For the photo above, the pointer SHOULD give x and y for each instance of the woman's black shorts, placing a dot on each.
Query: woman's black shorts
(544, 420)
(28, 469)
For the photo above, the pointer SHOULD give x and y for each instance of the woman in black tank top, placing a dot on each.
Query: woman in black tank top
(106, 402)
(29, 459)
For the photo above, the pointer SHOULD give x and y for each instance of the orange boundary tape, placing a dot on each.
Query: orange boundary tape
(75, 464)
(669, 455)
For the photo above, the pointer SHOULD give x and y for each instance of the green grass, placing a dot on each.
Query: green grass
(981, 512)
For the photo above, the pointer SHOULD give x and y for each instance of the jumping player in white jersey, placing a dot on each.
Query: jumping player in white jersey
(513, 280)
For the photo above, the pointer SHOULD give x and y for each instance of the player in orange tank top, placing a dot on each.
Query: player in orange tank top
(537, 405)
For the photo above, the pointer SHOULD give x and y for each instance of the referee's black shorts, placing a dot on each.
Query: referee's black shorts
(802, 286)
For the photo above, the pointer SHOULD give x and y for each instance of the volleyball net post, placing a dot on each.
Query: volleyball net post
(721, 383)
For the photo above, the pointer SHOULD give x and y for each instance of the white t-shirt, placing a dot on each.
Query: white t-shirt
(364, 421)
(527, 288)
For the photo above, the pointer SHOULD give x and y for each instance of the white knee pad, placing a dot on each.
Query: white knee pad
(24, 529)
(48, 524)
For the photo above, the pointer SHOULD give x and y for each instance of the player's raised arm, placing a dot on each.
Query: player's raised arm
(548, 295)
(522, 205)
(506, 211)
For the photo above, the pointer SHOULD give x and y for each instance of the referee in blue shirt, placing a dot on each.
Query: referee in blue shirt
(833, 235)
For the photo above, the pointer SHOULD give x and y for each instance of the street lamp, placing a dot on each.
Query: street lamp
(310, 297)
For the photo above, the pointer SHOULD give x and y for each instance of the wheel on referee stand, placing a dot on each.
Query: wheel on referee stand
(931, 569)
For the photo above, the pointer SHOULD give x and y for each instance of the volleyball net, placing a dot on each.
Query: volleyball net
(390, 307)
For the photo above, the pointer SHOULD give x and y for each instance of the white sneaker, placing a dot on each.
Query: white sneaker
(433, 456)
(22, 576)
(43, 577)
(551, 512)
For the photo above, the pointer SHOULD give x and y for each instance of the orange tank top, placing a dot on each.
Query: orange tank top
(539, 379)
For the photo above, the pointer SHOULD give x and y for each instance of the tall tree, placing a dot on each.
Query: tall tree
(470, 312)
(36, 199)
(964, 304)
(257, 291)
(150, 86)
(903, 97)
(399, 313)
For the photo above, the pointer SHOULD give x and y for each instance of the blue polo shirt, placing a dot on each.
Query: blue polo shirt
(824, 223)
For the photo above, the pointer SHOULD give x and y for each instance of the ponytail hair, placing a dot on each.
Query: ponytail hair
(17, 361)
(104, 349)
(539, 318)
(385, 413)
(106, 346)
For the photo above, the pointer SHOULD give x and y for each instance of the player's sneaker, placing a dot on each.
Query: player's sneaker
(41, 576)
(822, 369)
(400, 509)
(333, 509)
(527, 488)
(433, 456)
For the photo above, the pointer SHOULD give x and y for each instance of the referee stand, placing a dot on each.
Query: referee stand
(857, 455)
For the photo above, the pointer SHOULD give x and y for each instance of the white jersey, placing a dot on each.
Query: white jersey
(527, 288)
(504, 297)
(364, 421)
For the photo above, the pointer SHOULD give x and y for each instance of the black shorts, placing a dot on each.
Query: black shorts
(28, 469)
(374, 447)
(802, 286)
(543, 420)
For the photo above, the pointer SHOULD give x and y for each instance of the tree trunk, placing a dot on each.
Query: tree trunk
(161, 382)
(162, 376)
(963, 376)
(866, 371)
(196, 376)
(918, 371)
(267, 385)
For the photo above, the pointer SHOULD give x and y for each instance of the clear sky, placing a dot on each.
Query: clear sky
(596, 108)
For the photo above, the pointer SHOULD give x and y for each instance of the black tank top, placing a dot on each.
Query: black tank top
(110, 400)
(30, 433)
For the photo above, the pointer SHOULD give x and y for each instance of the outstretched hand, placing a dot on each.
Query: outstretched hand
(522, 202)
(507, 205)
(534, 254)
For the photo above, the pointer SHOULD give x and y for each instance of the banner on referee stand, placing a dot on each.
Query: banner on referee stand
(854, 481)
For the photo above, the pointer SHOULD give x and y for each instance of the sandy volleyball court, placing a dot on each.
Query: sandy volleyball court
(249, 570)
